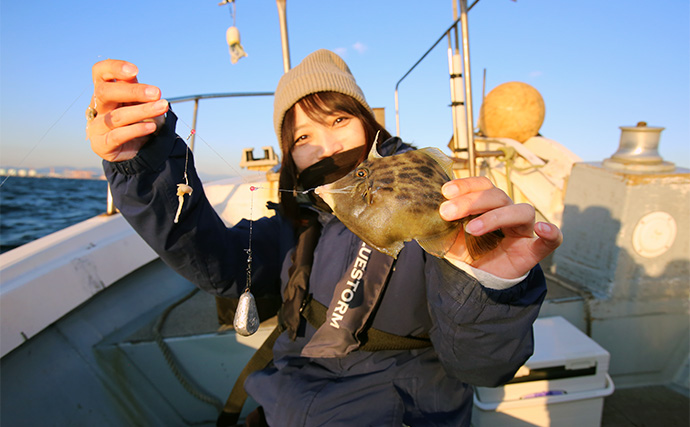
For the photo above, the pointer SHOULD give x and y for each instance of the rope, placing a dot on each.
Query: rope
(172, 363)
(509, 155)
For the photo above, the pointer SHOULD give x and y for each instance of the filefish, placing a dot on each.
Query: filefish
(387, 201)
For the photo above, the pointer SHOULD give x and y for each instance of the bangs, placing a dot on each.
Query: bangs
(320, 105)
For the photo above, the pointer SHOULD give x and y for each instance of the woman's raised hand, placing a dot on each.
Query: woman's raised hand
(526, 242)
(123, 113)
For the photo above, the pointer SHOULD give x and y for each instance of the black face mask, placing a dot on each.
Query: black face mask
(329, 169)
(326, 171)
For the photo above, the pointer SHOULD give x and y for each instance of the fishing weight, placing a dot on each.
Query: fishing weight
(246, 320)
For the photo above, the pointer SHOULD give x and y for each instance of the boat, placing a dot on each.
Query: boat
(90, 336)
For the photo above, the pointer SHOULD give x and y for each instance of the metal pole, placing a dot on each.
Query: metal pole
(397, 114)
(282, 16)
(468, 85)
(453, 107)
(451, 53)
(196, 112)
(397, 85)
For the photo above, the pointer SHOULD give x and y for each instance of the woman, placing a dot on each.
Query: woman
(476, 314)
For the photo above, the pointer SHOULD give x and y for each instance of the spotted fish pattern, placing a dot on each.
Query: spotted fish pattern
(387, 201)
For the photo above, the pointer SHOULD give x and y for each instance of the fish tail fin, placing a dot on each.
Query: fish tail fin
(480, 245)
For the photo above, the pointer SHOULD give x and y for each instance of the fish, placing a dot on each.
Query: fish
(387, 201)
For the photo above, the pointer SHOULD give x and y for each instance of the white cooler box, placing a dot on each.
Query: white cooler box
(563, 384)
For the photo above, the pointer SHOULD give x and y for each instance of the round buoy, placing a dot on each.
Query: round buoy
(512, 110)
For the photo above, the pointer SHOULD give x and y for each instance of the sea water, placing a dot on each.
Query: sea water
(31, 208)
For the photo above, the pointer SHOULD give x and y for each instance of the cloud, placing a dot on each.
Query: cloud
(536, 73)
(360, 47)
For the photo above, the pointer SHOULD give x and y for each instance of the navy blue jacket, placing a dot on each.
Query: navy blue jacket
(480, 336)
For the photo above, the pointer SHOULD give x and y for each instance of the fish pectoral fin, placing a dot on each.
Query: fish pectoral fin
(439, 245)
(369, 197)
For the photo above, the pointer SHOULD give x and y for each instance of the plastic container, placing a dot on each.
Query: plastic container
(563, 384)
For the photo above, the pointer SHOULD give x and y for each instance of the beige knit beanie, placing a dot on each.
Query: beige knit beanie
(322, 71)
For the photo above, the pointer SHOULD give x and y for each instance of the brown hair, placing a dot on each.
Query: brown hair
(316, 106)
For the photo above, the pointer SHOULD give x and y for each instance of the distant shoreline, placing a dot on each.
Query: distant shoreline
(55, 176)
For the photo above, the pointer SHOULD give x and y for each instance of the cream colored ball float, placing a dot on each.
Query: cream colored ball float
(512, 110)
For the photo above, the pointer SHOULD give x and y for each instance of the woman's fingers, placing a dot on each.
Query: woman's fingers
(514, 220)
(128, 115)
(122, 112)
(549, 239)
(123, 143)
(114, 140)
(459, 187)
(115, 84)
(111, 95)
(113, 69)
(525, 242)
(149, 114)
(471, 196)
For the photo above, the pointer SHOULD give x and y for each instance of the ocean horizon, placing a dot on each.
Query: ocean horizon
(31, 208)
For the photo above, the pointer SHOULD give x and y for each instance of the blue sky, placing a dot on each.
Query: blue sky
(598, 64)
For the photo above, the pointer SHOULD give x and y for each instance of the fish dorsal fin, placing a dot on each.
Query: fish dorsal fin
(440, 158)
(373, 153)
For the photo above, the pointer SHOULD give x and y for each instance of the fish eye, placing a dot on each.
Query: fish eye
(361, 173)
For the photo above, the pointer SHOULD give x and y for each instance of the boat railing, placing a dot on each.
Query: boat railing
(458, 104)
(197, 98)
(446, 33)
(111, 209)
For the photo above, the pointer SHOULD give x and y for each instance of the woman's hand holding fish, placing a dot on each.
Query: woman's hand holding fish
(123, 113)
(520, 250)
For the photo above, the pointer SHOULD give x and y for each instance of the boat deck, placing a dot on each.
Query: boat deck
(639, 406)
(646, 407)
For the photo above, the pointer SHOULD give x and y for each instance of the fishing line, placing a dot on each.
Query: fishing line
(232, 12)
(251, 188)
(246, 320)
(193, 132)
(46, 133)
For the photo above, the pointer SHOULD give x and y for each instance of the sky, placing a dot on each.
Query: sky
(598, 65)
